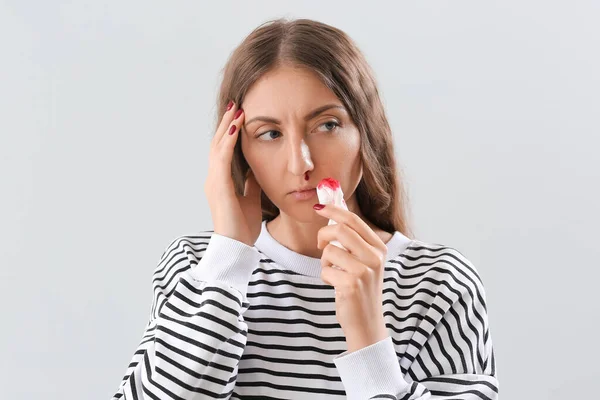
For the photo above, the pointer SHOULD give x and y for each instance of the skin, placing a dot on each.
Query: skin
(287, 150)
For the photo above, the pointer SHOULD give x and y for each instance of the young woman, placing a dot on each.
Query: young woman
(254, 309)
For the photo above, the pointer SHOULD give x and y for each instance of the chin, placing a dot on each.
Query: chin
(302, 212)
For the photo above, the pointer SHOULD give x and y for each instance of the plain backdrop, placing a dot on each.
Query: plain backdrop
(106, 115)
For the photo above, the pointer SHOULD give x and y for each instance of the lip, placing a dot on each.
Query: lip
(303, 190)
(304, 194)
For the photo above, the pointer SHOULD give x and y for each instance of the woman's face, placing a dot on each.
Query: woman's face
(282, 139)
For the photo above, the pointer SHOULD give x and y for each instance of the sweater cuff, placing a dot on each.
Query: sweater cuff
(227, 260)
(371, 371)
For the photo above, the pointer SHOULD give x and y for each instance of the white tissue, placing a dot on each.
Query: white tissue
(327, 195)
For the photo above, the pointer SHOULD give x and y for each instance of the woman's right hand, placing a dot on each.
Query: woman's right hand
(237, 217)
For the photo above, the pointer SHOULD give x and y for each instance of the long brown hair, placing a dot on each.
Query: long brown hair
(340, 65)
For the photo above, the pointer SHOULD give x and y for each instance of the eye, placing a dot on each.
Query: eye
(335, 125)
(330, 123)
(264, 134)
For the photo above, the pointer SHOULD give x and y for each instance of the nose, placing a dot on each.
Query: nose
(300, 159)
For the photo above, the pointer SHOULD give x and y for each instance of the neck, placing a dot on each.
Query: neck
(301, 236)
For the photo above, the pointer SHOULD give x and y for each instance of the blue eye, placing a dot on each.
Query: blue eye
(332, 122)
(265, 134)
(335, 125)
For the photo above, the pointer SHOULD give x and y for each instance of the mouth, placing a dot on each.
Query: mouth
(303, 190)
(304, 194)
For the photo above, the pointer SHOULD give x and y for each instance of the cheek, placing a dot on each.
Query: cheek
(344, 150)
(352, 147)
(354, 141)
(257, 163)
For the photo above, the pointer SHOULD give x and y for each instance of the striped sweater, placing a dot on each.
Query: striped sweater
(232, 321)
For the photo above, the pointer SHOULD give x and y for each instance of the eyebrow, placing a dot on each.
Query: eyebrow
(307, 117)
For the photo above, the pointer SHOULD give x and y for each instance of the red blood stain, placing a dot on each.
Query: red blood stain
(329, 183)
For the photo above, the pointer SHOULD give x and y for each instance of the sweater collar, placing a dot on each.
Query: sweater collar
(311, 266)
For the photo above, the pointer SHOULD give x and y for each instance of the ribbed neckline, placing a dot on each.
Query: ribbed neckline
(311, 266)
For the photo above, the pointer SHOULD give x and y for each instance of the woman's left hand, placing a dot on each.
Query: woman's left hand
(358, 287)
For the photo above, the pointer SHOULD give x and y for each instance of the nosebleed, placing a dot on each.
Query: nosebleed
(329, 191)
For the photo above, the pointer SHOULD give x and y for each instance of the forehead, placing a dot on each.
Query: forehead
(287, 90)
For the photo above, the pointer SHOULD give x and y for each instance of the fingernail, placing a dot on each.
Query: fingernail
(238, 113)
(229, 105)
(319, 206)
(232, 129)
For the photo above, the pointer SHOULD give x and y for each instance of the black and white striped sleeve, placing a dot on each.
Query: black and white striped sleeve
(458, 360)
(196, 333)
(452, 356)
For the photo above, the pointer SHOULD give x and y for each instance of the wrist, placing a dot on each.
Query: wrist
(361, 339)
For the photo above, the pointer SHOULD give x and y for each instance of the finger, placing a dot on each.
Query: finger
(333, 255)
(353, 243)
(340, 215)
(225, 122)
(230, 135)
(334, 277)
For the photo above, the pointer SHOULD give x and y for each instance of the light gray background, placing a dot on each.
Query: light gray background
(106, 112)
